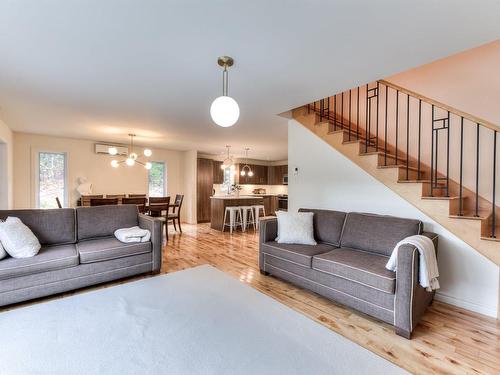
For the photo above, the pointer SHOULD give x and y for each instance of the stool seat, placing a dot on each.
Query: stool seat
(235, 218)
(258, 209)
(248, 217)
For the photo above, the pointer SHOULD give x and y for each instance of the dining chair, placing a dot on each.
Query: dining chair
(139, 202)
(159, 207)
(104, 201)
(137, 195)
(59, 205)
(117, 196)
(176, 212)
(85, 199)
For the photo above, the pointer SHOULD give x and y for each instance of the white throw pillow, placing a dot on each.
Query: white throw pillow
(295, 228)
(17, 239)
(3, 253)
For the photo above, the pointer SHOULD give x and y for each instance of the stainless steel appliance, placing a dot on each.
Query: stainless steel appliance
(285, 179)
(283, 202)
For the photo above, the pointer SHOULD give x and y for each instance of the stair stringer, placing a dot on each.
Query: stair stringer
(468, 230)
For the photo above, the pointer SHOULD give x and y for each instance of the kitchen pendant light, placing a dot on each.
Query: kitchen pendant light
(246, 170)
(131, 157)
(225, 110)
(228, 162)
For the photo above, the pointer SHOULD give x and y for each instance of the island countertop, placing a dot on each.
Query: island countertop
(256, 196)
(219, 204)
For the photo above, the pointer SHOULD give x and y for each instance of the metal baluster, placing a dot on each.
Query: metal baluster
(419, 131)
(385, 135)
(448, 157)
(432, 152)
(366, 121)
(407, 134)
(335, 112)
(357, 115)
(460, 203)
(397, 124)
(477, 170)
(349, 114)
(376, 122)
(321, 104)
(342, 112)
(494, 219)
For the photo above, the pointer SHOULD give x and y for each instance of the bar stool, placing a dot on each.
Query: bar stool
(258, 208)
(234, 215)
(248, 217)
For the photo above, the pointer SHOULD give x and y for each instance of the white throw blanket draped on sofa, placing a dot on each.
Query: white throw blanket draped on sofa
(133, 234)
(428, 269)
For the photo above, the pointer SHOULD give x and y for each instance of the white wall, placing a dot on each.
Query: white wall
(84, 162)
(327, 179)
(6, 166)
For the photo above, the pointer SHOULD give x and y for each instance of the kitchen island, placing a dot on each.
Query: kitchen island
(219, 204)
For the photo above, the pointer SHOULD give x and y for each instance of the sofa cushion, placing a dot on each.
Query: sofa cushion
(49, 258)
(358, 266)
(377, 233)
(327, 225)
(101, 249)
(300, 254)
(51, 227)
(102, 221)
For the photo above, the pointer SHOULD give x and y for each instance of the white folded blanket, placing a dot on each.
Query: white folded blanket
(133, 234)
(428, 269)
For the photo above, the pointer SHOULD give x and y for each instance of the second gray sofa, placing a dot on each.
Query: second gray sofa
(78, 250)
(348, 264)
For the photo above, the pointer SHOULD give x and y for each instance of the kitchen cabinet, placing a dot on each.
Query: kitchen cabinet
(270, 204)
(218, 173)
(204, 185)
(276, 174)
(259, 175)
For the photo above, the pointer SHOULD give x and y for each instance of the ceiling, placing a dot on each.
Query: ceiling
(99, 69)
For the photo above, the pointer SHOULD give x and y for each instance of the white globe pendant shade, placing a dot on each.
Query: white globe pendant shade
(225, 111)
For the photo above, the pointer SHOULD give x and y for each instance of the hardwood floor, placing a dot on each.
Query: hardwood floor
(448, 340)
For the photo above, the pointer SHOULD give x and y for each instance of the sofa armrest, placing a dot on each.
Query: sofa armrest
(155, 226)
(268, 231)
(411, 299)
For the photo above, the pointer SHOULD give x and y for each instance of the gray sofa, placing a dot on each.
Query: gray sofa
(78, 250)
(348, 264)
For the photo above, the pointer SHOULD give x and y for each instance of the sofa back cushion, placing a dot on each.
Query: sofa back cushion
(377, 233)
(102, 221)
(51, 227)
(328, 225)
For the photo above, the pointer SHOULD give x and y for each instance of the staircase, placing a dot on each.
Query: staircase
(440, 159)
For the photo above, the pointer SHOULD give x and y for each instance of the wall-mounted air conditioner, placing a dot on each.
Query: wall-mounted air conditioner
(103, 149)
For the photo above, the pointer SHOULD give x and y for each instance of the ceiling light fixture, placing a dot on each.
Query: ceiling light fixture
(225, 110)
(246, 168)
(132, 157)
(228, 162)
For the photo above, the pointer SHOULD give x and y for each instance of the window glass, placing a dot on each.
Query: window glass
(51, 179)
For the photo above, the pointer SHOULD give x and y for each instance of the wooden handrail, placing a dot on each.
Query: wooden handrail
(446, 107)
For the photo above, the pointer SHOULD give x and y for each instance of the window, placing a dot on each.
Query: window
(157, 179)
(51, 179)
(228, 179)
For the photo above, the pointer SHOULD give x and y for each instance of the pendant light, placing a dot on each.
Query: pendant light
(228, 162)
(225, 110)
(132, 157)
(246, 170)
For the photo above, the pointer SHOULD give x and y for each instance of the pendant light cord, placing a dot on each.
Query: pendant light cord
(225, 79)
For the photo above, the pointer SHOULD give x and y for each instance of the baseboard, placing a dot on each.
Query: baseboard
(481, 309)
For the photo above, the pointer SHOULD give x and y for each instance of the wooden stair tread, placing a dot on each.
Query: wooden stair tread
(410, 181)
(469, 216)
(398, 166)
(437, 197)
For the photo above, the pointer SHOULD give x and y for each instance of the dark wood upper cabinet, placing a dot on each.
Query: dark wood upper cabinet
(276, 173)
(218, 173)
(259, 175)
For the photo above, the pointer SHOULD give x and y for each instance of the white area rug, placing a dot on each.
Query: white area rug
(198, 321)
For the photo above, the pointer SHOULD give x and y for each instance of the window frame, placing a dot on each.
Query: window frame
(36, 175)
(164, 177)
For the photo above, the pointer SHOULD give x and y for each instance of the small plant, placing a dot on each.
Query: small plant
(236, 187)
